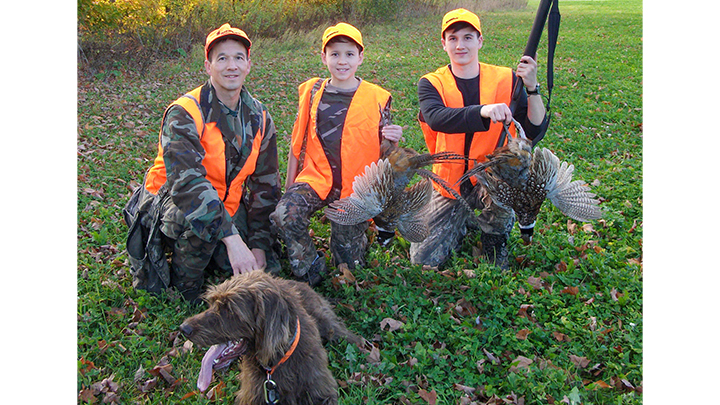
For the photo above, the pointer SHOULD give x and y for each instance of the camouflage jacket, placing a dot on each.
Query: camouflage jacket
(194, 195)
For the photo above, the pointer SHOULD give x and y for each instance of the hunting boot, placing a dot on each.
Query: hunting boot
(316, 272)
(494, 248)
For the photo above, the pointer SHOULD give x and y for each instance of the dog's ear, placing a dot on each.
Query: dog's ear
(274, 317)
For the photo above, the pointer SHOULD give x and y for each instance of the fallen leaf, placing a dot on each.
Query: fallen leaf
(429, 397)
(525, 311)
(215, 392)
(480, 365)
(588, 228)
(374, 356)
(600, 384)
(465, 308)
(491, 357)
(570, 290)
(464, 388)
(578, 361)
(561, 337)
(87, 395)
(535, 282)
(571, 227)
(392, 324)
(522, 334)
(520, 362)
(139, 374)
(148, 385)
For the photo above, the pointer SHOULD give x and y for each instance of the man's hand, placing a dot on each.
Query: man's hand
(497, 112)
(241, 258)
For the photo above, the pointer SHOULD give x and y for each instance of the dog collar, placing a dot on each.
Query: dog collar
(290, 351)
(270, 390)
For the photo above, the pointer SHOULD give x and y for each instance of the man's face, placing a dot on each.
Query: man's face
(462, 46)
(342, 60)
(228, 65)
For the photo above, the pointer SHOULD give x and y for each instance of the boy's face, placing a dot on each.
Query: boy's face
(462, 46)
(228, 65)
(342, 60)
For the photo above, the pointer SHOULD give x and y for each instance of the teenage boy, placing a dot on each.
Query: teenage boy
(336, 134)
(214, 183)
(463, 107)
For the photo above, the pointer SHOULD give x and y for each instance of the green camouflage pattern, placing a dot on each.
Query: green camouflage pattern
(194, 195)
(188, 210)
(450, 221)
(348, 243)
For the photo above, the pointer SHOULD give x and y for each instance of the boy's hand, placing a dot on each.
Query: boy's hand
(392, 133)
(527, 71)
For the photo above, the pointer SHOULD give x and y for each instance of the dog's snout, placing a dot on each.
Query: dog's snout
(186, 329)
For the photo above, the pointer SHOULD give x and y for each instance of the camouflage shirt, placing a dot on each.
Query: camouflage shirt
(188, 187)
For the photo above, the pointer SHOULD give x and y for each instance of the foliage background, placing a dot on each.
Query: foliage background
(579, 283)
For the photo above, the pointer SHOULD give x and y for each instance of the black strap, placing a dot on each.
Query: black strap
(553, 32)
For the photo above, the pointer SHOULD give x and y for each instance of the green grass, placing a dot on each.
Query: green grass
(575, 292)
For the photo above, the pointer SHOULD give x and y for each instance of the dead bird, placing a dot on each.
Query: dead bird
(382, 193)
(520, 179)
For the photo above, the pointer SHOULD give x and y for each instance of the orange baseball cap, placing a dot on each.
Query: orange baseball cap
(342, 29)
(226, 30)
(458, 15)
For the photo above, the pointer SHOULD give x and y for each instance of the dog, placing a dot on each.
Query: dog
(278, 327)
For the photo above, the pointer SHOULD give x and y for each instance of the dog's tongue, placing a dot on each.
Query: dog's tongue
(206, 368)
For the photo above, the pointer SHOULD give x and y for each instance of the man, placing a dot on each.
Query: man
(214, 182)
(463, 107)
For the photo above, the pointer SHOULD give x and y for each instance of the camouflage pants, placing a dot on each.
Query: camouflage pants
(348, 243)
(449, 222)
(192, 258)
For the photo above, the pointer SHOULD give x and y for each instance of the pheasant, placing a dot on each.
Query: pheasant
(521, 179)
(381, 193)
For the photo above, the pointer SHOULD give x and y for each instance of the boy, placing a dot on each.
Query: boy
(463, 107)
(336, 134)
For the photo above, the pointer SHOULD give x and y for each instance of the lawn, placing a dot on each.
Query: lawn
(565, 324)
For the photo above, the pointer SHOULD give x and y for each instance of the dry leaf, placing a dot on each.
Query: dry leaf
(571, 227)
(374, 356)
(491, 357)
(464, 388)
(391, 323)
(522, 334)
(148, 385)
(600, 384)
(87, 395)
(535, 282)
(429, 397)
(581, 362)
(520, 362)
(561, 337)
(570, 290)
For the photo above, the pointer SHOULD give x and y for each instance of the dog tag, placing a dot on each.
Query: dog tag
(271, 393)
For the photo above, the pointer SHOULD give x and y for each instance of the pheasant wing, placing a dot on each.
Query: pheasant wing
(574, 198)
(413, 222)
(371, 191)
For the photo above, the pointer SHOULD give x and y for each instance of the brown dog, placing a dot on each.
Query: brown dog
(276, 325)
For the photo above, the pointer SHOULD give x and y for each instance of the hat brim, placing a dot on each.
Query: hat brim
(246, 42)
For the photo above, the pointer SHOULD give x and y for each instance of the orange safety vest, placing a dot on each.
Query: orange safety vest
(360, 144)
(495, 87)
(214, 161)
